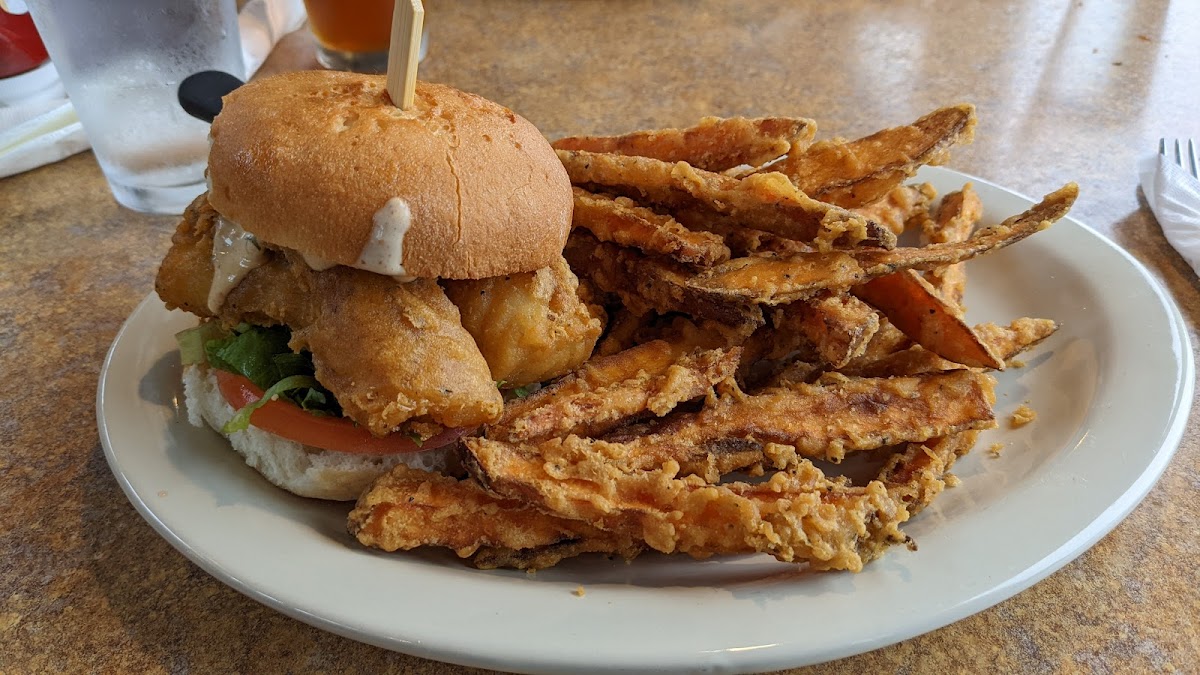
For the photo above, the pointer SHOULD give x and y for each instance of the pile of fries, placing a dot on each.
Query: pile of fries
(763, 324)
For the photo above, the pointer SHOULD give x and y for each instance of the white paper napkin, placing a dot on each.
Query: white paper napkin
(45, 131)
(1174, 197)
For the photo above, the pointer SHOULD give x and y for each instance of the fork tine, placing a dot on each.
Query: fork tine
(1178, 154)
(1162, 147)
(1192, 158)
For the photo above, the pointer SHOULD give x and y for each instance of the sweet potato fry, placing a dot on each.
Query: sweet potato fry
(838, 326)
(766, 201)
(900, 206)
(956, 217)
(541, 557)
(621, 221)
(1006, 342)
(796, 516)
(715, 144)
(645, 284)
(915, 307)
(774, 427)
(854, 173)
(409, 508)
(606, 392)
(778, 280)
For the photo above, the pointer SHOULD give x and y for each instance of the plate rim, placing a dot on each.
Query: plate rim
(1103, 523)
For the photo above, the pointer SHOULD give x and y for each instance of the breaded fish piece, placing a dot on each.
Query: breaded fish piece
(409, 508)
(530, 327)
(714, 144)
(411, 356)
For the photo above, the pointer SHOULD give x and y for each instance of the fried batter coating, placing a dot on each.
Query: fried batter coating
(821, 421)
(838, 326)
(715, 144)
(914, 306)
(1005, 341)
(956, 218)
(186, 272)
(773, 281)
(411, 357)
(408, 508)
(530, 327)
(606, 392)
(767, 201)
(796, 516)
(645, 284)
(902, 205)
(621, 221)
(851, 174)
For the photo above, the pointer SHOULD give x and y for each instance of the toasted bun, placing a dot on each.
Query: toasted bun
(305, 160)
(297, 468)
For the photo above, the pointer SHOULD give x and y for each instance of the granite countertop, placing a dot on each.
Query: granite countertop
(1066, 90)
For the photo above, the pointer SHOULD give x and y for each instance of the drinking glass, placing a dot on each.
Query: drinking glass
(121, 62)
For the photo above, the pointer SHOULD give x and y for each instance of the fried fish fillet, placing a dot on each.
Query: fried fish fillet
(409, 508)
(854, 173)
(650, 378)
(622, 221)
(416, 359)
(779, 280)
(530, 327)
(715, 144)
(768, 201)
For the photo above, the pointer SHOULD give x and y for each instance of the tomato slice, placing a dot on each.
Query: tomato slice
(328, 433)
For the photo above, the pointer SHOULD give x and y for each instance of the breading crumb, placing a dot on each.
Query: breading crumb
(1022, 416)
(994, 451)
(952, 480)
(1014, 363)
(579, 592)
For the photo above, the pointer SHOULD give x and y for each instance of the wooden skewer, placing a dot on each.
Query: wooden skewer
(404, 51)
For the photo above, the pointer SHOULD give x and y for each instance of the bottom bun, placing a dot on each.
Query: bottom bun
(295, 467)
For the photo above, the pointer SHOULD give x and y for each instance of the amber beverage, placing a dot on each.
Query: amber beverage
(351, 34)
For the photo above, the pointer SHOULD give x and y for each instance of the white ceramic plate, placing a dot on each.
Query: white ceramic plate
(1112, 390)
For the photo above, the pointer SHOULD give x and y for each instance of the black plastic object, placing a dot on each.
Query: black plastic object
(200, 93)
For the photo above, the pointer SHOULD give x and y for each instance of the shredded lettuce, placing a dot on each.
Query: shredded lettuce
(191, 341)
(261, 355)
(241, 420)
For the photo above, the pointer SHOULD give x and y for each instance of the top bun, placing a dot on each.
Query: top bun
(305, 160)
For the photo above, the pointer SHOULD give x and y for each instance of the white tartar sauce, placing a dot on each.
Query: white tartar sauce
(235, 253)
(384, 250)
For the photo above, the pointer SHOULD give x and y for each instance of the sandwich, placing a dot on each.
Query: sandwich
(371, 282)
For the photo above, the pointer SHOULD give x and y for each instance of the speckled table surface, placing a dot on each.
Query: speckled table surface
(1066, 90)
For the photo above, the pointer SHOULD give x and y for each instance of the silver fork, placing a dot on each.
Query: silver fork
(1186, 162)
